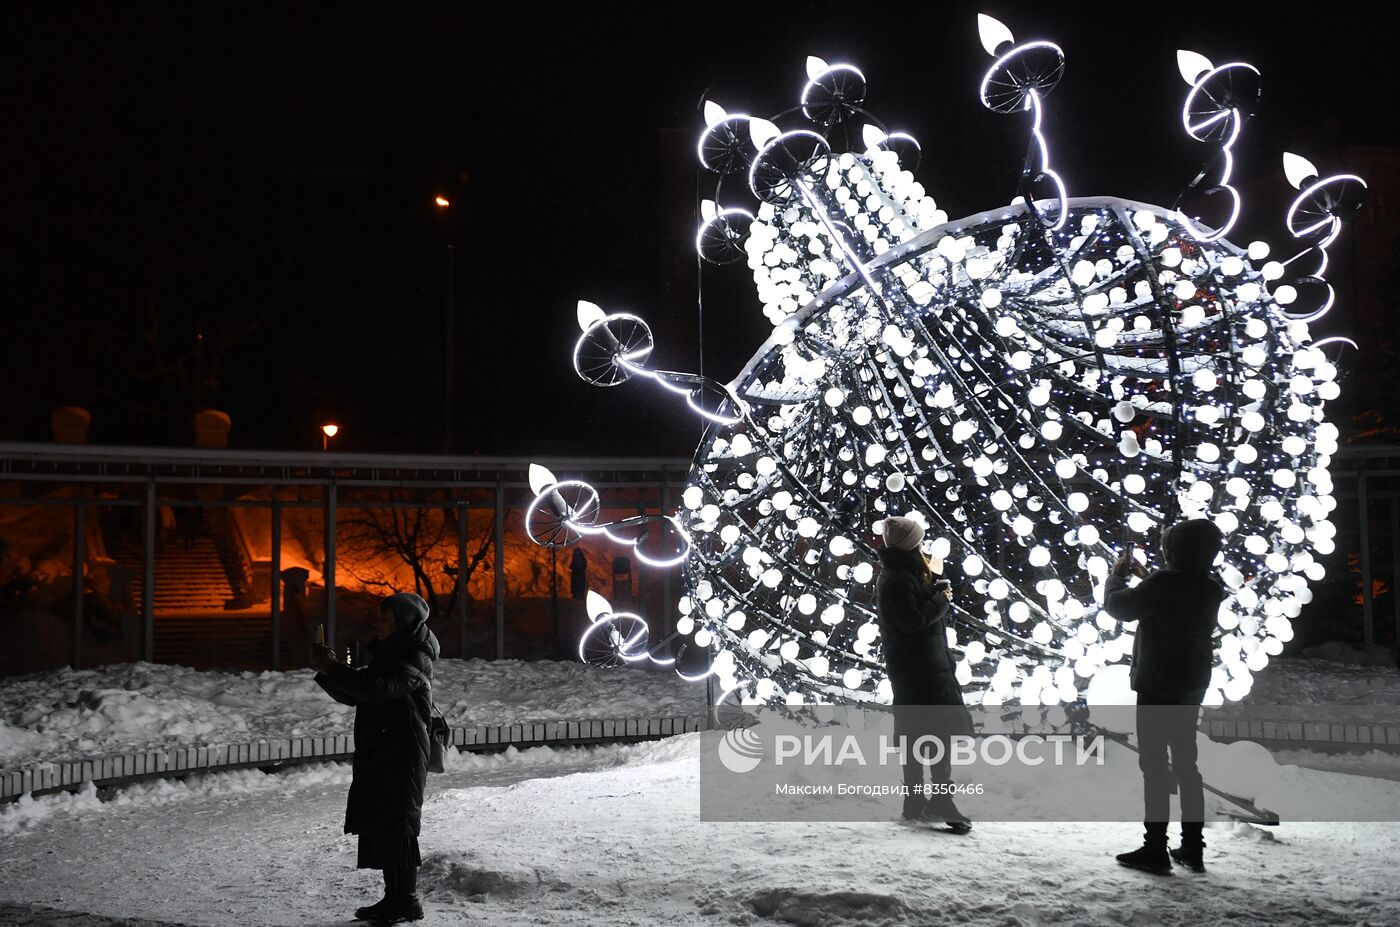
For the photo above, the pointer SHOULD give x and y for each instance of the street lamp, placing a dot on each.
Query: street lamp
(328, 431)
(449, 324)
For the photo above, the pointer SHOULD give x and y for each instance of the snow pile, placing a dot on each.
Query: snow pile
(67, 714)
(511, 691)
(798, 906)
(1378, 764)
(1320, 683)
(25, 815)
(28, 813)
(18, 741)
(1357, 655)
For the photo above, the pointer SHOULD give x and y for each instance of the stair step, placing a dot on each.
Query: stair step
(186, 580)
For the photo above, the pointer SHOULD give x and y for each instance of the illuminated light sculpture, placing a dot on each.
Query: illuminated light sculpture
(1039, 383)
(1022, 76)
(1220, 100)
(564, 512)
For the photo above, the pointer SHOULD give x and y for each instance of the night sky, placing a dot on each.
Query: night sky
(264, 175)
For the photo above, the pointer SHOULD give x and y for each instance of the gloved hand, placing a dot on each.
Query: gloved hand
(322, 657)
(1127, 566)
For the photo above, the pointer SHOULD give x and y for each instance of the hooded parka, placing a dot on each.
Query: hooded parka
(392, 696)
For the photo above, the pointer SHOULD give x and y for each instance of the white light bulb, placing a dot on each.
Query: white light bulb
(992, 33)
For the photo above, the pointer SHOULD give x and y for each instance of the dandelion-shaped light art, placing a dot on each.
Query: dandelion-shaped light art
(1039, 383)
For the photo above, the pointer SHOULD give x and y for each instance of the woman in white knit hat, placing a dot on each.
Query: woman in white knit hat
(912, 608)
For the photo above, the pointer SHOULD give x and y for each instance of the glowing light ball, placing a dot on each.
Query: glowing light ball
(1110, 686)
(1039, 383)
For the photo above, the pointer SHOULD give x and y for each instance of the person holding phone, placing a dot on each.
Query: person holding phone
(913, 602)
(392, 696)
(1176, 609)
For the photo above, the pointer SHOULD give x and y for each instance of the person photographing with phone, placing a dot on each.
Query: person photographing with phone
(912, 607)
(392, 696)
(1176, 609)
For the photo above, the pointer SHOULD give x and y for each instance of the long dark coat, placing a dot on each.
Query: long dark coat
(392, 697)
(912, 618)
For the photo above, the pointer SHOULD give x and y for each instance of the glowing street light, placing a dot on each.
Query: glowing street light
(328, 431)
(449, 324)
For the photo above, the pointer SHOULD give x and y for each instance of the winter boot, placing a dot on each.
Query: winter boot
(1152, 855)
(370, 911)
(405, 908)
(941, 809)
(914, 807)
(958, 822)
(404, 905)
(1192, 848)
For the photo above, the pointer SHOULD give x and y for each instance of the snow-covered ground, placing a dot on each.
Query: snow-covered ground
(1316, 681)
(67, 714)
(612, 835)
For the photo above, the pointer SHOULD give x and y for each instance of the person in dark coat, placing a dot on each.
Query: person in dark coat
(392, 696)
(911, 609)
(1176, 609)
(578, 575)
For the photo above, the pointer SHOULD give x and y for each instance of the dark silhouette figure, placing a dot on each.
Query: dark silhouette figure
(392, 696)
(911, 609)
(578, 575)
(1176, 611)
(189, 520)
(296, 622)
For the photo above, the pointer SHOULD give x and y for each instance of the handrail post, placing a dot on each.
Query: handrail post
(275, 569)
(1367, 617)
(79, 575)
(500, 568)
(148, 575)
(328, 573)
(462, 510)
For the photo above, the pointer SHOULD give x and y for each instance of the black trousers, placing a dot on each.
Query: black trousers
(912, 722)
(1167, 745)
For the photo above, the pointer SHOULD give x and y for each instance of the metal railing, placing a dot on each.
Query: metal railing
(134, 477)
(1367, 481)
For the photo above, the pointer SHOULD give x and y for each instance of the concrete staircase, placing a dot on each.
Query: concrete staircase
(189, 580)
(193, 626)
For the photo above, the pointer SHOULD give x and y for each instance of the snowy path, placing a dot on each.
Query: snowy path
(612, 836)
